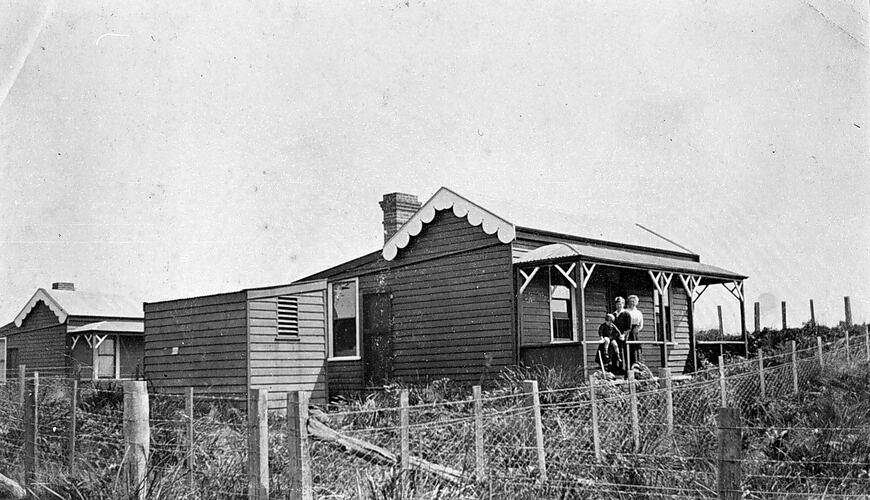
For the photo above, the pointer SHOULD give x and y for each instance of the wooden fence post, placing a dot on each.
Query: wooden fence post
(3, 361)
(848, 348)
(820, 351)
(596, 436)
(635, 417)
(258, 444)
(404, 431)
(22, 375)
(721, 324)
(761, 387)
(479, 460)
(794, 366)
(533, 401)
(73, 407)
(722, 388)
(784, 317)
(757, 317)
(31, 430)
(301, 486)
(812, 313)
(867, 342)
(137, 437)
(188, 408)
(848, 310)
(730, 437)
(669, 399)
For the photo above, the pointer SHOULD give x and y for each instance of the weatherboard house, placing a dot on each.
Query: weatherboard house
(457, 291)
(66, 332)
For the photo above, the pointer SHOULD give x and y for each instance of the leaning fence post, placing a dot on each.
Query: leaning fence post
(31, 430)
(794, 366)
(188, 408)
(596, 437)
(635, 420)
(533, 401)
(821, 353)
(404, 431)
(258, 444)
(669, 399)
(479, 461)
(722, 389)
(137, 437)
(297, 443)
(730, 437)
(73, 406)
(761, 387)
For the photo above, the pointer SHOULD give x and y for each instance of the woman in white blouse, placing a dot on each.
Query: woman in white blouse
(635, 353)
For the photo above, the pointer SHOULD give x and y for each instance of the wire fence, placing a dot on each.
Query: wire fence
(647, 437)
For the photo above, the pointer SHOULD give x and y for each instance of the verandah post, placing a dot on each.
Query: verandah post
(669, 399)
(635, 419)
(188, 408)
(479, 460)
(258, 444)
(301, 486)
(730, 437)
(761, 388)
(137, 438)
(722, 389)
(533, 401)
(794, 367)
(404, 431)
(31, 430)
(596, 437)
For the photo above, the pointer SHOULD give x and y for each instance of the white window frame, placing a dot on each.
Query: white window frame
(572, 305)
(95, 359)
(329, 355)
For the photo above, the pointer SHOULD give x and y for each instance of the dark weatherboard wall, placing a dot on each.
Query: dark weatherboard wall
(40, 341)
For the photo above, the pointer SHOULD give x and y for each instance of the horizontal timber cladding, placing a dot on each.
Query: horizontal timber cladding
(41, 342)
(288, 362)
(535, 307)
(679, 357)
(186, 338)
(451, 298)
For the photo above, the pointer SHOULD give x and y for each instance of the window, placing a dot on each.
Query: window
(561, 307)
(662, 306)
(343, 320)
(288, 317)
(106, 358)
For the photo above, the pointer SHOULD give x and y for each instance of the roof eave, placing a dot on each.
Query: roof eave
(613, 244)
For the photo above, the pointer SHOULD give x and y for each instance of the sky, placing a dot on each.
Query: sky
(171, 149)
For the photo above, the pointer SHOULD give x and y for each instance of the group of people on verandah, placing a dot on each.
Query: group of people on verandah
(615, 354)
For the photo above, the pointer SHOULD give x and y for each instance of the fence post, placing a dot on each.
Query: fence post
(137, 437)
(258, 444)
(479, 461)
(821, 353)
(812, 313)
(404, 431)
(761, 387)
(31, 430)
(848, 348)
(784, 318)
(669, 399)
(730, 437)
(3, 361)
(297, 443)
(596, 437)
(848, 310)
(867, 342)
(721, 325)
(22, 375)
(757, 317)
(635, 420)
(533, 401)
(188, 408)
(73, 406)
(722, 389)
(794, 367)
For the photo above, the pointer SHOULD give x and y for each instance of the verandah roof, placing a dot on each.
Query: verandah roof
(566, 251)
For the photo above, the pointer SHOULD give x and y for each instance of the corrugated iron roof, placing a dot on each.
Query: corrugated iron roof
(111, 326)
(66, 303)
(560, 251)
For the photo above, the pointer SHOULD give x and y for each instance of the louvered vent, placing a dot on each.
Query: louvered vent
(288, 317)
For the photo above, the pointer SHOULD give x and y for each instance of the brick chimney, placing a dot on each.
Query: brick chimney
(64, 285)
(398, 209)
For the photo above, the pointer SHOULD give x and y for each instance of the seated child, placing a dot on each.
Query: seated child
(608, 350)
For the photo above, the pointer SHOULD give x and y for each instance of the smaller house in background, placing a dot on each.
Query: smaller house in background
(65, 332)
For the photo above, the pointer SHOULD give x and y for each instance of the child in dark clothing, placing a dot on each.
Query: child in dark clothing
(608, 350)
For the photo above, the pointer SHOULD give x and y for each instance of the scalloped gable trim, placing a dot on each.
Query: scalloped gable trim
(52, 304)
(445, 199)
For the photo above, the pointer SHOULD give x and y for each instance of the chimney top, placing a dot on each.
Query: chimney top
(398, 208)
(63, 285)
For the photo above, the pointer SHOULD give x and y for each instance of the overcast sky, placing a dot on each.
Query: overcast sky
(203, 147)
